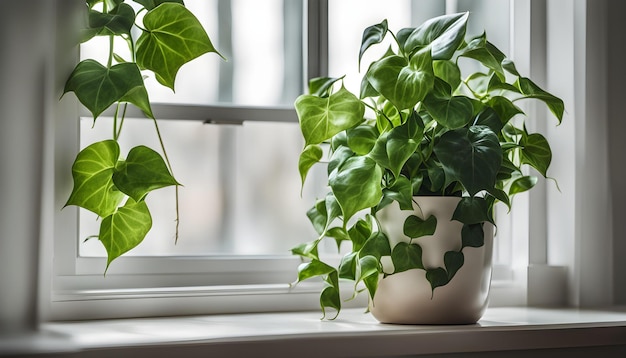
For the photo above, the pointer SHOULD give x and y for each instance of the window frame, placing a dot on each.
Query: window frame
(144, 286)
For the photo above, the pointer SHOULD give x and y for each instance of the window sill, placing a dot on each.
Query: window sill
(303, 334)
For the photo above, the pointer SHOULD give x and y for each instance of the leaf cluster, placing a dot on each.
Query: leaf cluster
(111, 186)
(419, 126)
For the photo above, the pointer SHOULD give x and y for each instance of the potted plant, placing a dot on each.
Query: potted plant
(417, 162)
(111, 185)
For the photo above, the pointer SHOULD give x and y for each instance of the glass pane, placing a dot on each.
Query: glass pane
(262, 41)
(241, 192)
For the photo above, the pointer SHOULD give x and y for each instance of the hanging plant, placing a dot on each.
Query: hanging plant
(111, 184)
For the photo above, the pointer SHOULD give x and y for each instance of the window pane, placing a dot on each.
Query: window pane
(262, 41)
(241, 192)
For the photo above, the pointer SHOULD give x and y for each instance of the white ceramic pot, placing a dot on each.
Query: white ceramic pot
(407, 297)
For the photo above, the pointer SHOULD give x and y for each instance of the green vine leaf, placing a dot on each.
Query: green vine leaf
(322, 118)
(330, 296)
(371, 36)
(406, 256)
(401, 191)
(118, 21)
(347, 267)
(472, 210)
(536, 152)
(452, 112)
(309, 156)
(377, 245)
(369, 269)
(173, 36)
(443, 34)
(92, 172)
(437, 277)
(361, 139)
(98, 87)
(531, 90)
(522, 184)
(313, 269)
(359, 233)
(454, 261)
(479, 50)
(473, 235)
(415, 227)
(403, 82)
(357, 185)
(143, 171)
(472, 156)
(125, 229)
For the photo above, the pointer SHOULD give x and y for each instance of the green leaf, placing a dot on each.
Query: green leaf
(372, 35)
(472, 210)
(322, 118)
(536, 152)
(406, 256)
(307, 249)
(452, 112)
(449, 72)
(489, 117)
(522, 184)
(151, 4)
(320, 86)
(377, 245)
(437, 277)
(361, 139)
(473, 235)
(473, 156)
(531, 90)
(401, 191)
(477, 49)
(312, 269)
(357, 185)
(143, 171)
(309, 156)
(98, 87)
(415, 227)
(318, 216)
(117, 22)
(92, 172)
(454, 261)
(504, 108)
(369, 270)
(340, 155)
(402, 82)
(359, 233)
(173, 37)
(125, 229)
(394, 148)
(330, 296)
(347, 267)
(443, 34)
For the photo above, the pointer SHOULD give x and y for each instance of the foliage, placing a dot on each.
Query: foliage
(429, 131)
(105, 183)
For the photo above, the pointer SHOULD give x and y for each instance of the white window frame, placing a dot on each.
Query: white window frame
(140, 286)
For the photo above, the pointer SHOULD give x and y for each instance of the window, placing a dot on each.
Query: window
(240, 207)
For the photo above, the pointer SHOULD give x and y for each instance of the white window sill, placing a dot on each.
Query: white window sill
(303, 334)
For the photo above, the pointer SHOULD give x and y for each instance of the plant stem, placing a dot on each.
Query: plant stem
(169, 166)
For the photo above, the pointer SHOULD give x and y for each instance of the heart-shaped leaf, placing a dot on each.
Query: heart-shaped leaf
(125, 229)
(522, 184)
(437, 277)
(173, 36)
(536, 152)
(473, 235)
(454, 261)
(322, 118)
(93, 183)
(472, 210)
(415, 227)
(443, 34)
(531, 90)
(401, 191)
(377, 245)
(402, 82)
(478, 50)
(98, 87)
(372, 35)
(359, 233)
(143, 171)
(361, 139)
(330, 296)
(449, 72)
(406, 256)
(472, 156)
(347, 266)
(309, 156)
(451, 112)
(116, 22)
(357, 185)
